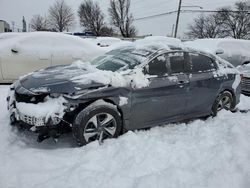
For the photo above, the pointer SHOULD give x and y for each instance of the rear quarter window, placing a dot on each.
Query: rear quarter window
(201, 63)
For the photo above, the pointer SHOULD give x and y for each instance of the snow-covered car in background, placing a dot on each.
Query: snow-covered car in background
(245, 82)
(27, 52)
(162, 39)
(106, 41)
(129, 88)
(235, 51)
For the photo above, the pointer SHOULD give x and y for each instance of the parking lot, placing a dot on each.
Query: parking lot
(124, 94)
(204, 153)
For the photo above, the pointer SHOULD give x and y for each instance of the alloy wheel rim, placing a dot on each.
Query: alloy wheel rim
(100, 127)
(224, 103)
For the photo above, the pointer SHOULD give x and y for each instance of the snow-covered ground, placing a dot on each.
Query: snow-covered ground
(211, 153)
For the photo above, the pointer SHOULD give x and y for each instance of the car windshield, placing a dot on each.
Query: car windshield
(123, 58)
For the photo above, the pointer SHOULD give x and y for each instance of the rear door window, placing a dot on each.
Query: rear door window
(201, 63)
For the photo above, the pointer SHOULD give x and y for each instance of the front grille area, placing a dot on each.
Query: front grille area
(32, 120)
(245, 84)
(245, 81)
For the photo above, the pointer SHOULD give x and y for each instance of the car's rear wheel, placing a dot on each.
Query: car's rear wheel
(97, 123)
(223, 101)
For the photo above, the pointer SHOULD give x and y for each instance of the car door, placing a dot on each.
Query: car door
(25, 56)
(164, 99)
(204, 84)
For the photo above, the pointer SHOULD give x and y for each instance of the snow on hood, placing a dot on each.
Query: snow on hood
(83, 73)
(135, 77)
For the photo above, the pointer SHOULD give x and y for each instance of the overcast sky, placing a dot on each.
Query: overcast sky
(14, 10)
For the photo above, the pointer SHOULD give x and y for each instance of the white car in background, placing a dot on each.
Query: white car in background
(107, 41)
(236, 51)
(24, 53)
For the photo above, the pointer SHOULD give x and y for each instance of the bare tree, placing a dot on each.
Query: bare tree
(61, 16)
(39, 23)
(91, 17)
(235, 22)
(107, 31)
(204, 27)
(121, 18)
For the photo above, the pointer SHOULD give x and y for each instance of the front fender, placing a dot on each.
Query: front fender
(112, 95)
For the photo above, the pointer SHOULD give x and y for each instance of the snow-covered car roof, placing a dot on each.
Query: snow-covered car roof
(4, 36)
(107, 40)
(17, 40)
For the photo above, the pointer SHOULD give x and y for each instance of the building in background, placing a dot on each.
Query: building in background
(4, 26)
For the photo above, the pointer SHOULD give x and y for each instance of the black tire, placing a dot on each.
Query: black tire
(223, 101)
(83, 124)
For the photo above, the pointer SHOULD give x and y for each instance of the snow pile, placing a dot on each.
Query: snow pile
(245, 70)
(51, 107)
(123, 101)
(106, 41)
(244, 103)
(163, 40)
(135, 78)
(119, 44)
(208, 154)
(93, 74)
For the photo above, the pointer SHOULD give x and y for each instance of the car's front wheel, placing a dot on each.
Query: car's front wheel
(97, 122)
(223, 101)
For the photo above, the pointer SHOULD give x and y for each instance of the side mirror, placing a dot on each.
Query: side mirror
(219, 51)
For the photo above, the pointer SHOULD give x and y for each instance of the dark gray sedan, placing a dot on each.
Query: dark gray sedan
(133, 87)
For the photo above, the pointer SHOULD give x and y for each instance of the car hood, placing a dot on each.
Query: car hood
(58, 79)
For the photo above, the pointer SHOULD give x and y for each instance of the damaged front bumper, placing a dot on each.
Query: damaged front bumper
(50, 125)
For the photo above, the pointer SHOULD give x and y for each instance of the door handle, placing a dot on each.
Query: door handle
(183, 82)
